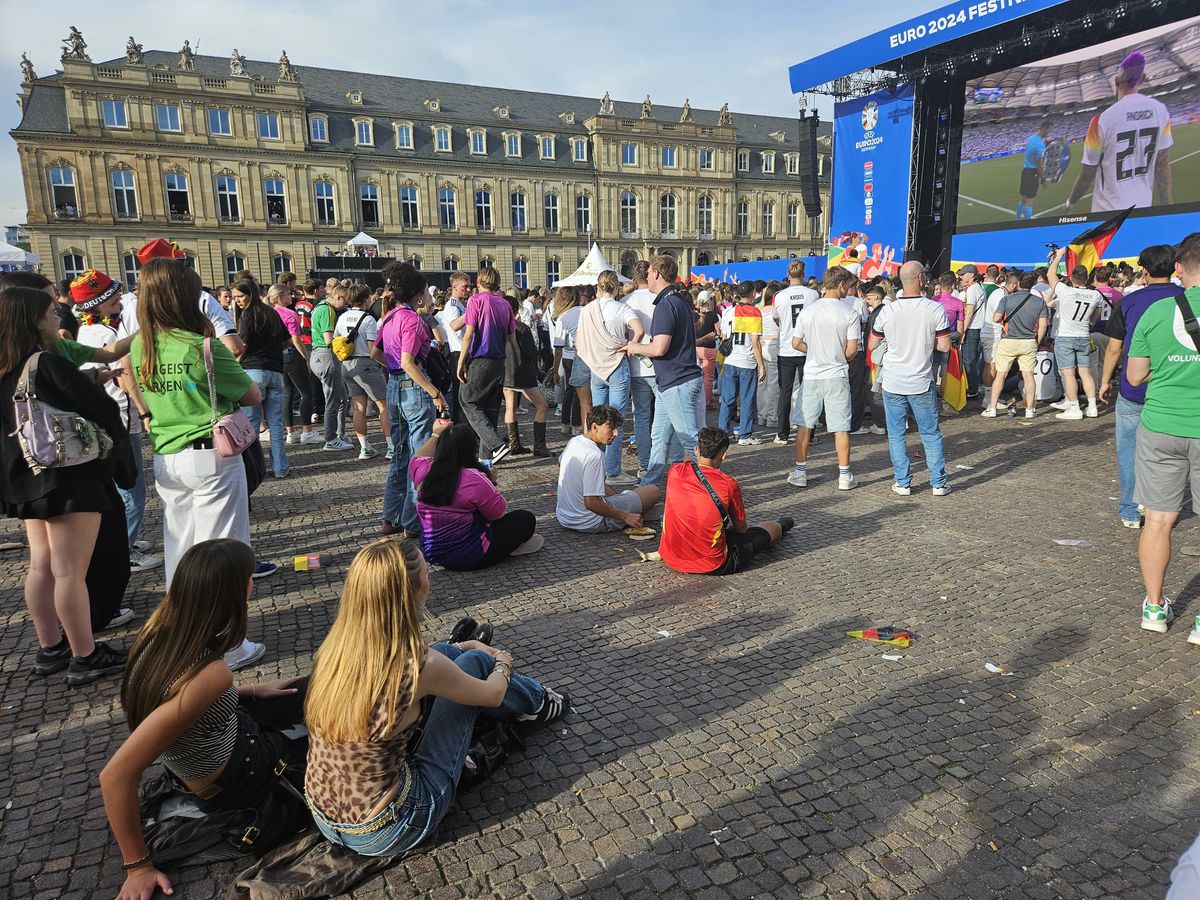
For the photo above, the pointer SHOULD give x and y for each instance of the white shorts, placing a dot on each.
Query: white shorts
(830, 394)
(987, 347)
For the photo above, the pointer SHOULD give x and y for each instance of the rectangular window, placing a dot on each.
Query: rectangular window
(583, 213)
(268, 126)
(668, 157)
(167, 116)
(318, 131)
(443, 140)
(326, 209)
(793, 220)
(227, 199)
(218, 122)
(483, 210)
(768, 163)
(368, 200)
(179, 203)
(580, 148)
(706, 159)
(793, 164)
(743, 219)
(404, 137)
(409, 214)
(124, 197)
(512, 145)
(447, 211)
(553, 272)
(113, 112)
(478, 143)
(364, 135)
(547, 148)
(550, 213)
(628, 153)
(276, 201)
(517, 206)
(521, 273)
(743, 161)
(62, 193)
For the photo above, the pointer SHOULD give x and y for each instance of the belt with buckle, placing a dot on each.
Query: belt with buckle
(201, 444)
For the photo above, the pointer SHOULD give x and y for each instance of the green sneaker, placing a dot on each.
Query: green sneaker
(1194, 634)
(1156, 617)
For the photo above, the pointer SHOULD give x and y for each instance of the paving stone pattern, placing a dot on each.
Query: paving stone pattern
(756, 751)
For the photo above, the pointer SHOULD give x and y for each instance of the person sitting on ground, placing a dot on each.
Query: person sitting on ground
(698, 537)
(585, 502)
(465, 521)
(368, 789)
(216, 739)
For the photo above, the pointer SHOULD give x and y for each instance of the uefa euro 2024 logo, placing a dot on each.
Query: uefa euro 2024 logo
(870, 116)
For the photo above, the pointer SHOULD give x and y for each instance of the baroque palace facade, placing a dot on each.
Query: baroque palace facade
(267, 166)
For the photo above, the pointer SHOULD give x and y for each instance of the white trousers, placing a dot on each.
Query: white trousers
(200, 507)
(768, 393)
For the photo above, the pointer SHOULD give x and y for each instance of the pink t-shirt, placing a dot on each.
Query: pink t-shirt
(403, 331)
(954, 308)
(457, 535)
(291, 321)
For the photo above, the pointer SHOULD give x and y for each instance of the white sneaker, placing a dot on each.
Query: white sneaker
(246, 655)
(312, 437)
(367, 452)
(796, 479)
(1092, 412)
(989, 413)
(620, 480)
(749, 441)
(1132, 523)
(122, 615)
(1156, 617)
(878, 430)
(143, 562)
(292, 438)
(1194, 634)
(1061, 404)
(264, 437)
(1070, 414)
(942, 491)
(1030, 413)
(782, 441)
(862, 429)
(901, 489)
(846, 482)
(338, 444)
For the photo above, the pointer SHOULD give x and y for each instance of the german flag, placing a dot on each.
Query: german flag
(1088, 249)
(954, 382)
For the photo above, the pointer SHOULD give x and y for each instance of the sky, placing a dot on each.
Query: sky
(707, 51)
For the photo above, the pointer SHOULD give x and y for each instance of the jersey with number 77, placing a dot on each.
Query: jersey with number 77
(1124, 141)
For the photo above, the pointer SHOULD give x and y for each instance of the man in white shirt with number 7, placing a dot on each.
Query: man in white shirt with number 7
(1077, 306)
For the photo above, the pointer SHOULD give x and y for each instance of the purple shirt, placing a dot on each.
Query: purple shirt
(290, 320)
(492, 317)
(403, 331)
(457, 536)
(954, 309)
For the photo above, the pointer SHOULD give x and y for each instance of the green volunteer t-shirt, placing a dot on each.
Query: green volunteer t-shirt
(323, 319)
(177, 395)
(77, 353)
(1173, 391)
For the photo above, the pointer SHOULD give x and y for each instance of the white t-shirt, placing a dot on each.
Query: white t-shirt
(616, 316)
(580, 475)
(451, 311)
(825, 326)
(788, 303)
(988, 329)
(741, 356)
(853, 268)
(1075, 309)
(366, 333)
(769, 325)
(222, 321)
(974, 296)
(911, 326)
(529, 313)
(641, 302)
(100, 336)
(564, 331)
(1124, 141)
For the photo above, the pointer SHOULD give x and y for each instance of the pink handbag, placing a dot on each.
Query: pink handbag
(232, 433)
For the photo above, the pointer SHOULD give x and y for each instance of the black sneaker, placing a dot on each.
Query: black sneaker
(104, 660)
(483, 633)
(786, 524)
(463, 630)
(502, 451)
(52, 659)
(554, 707)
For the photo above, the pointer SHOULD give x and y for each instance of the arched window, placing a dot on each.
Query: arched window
(703, 258)
(415, 260)
(629, 214)
(280, 264)
(704, 216)
(130, 266)
(521, 272)
(483, 210)
(768, 219)
(179, 201)
(628, 261)
(447, 209)
(666, 215)
(368, 203)
(517, 208)
(487, 262)
(450, 263)
(326, 209)
(73, 265)
(234, 263)
(550, 212)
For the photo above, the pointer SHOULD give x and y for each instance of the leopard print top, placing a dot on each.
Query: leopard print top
(348, 782)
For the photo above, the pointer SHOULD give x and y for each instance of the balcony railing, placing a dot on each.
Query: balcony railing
(66, 213)
(126, 216)
(277, 220)
(184, 217)
(234, 219)
(326, 221)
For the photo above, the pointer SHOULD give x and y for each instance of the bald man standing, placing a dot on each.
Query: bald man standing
(913, 327)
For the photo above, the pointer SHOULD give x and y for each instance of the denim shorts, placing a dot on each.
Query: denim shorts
(830, 394)
(1072, 352)
(581, 375)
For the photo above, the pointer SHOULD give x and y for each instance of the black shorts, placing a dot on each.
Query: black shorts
(1029, 183)
(741, 548)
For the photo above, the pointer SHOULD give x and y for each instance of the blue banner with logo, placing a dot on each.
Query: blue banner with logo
(948, 23)
(872, 156)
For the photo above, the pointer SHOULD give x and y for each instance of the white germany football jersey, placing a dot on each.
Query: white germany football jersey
(1124, 141)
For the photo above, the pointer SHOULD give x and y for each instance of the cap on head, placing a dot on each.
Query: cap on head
(1131, 70)
(159, 249)
(92, 288)
(968, 269)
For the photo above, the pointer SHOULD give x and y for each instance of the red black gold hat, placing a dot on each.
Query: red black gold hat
(92, 288)
(159, 248)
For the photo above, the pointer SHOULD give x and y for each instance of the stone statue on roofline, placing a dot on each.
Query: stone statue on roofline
(606, 105)
(28, 76)
(237, 64)
(133, 52)
(647, 109)
(724, 116)
(686, 115)
(74, 46)
(187, 61)
(286, 71)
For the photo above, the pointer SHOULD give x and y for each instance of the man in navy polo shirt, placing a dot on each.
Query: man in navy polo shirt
(1158, 261)
(679, 398)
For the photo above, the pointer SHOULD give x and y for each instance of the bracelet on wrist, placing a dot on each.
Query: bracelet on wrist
(137, 863)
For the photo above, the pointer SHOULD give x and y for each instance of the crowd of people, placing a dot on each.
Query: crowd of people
(631, 367)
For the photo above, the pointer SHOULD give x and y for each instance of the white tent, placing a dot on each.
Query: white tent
(590, 270)
(362, 239)
(11, 256)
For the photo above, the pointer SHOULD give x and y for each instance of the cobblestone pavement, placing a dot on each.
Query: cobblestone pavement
(753, 750)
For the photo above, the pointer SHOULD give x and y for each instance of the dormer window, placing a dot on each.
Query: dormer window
(433, 104)
(355, 97)
(568, 118)
(579, 149)
(743, 161)
(501, 111)
(404, 135)
(512, 144)
(364, 133)
(545, 146)
(478, 142)
(318, 130)
(768, 162)
(793, 163)
(441, 139)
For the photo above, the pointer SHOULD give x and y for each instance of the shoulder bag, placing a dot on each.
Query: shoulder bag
(232, 432)
(436, 362)
(51, 438)
(1011, 315)
(343, 347)
(726, 519)
(1189, 320)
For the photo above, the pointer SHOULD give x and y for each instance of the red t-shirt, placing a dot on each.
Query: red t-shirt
(693, 539)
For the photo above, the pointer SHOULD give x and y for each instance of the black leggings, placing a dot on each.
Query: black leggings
(570, 403)
(509, 532)
(297, 378)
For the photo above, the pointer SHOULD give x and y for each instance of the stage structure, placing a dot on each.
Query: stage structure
(1030, 121)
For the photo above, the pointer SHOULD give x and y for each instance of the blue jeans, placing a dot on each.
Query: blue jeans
(1129, 414)
(135, 497)
(741, 384)
(411, 413)
(925, 411)
(972, 360)
(643, 390)
(678, 417)
(614, 392)
(433, 770)
(270, 385)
